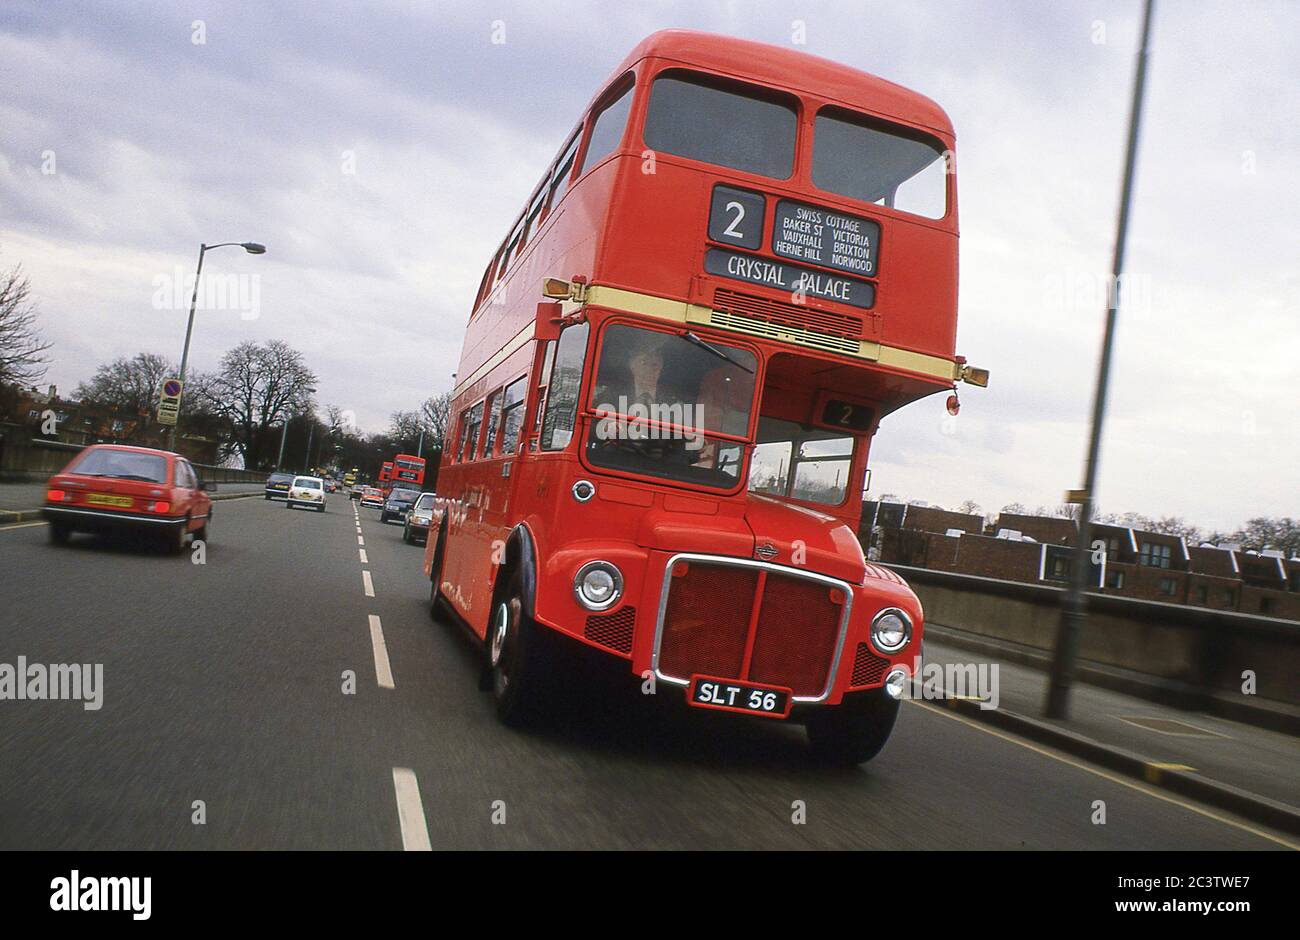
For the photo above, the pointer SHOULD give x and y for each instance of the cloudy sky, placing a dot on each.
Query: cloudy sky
(381, 149)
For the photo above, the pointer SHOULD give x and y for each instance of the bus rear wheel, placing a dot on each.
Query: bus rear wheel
(518, 660)
(854, 731)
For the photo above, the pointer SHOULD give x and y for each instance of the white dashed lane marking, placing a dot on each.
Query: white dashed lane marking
(383, 671)
(410, 811)
(368, 584)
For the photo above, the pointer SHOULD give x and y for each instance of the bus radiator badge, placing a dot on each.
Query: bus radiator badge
(767, 551)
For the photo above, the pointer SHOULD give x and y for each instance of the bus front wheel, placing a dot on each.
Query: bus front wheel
(517, 658)
(854, 731)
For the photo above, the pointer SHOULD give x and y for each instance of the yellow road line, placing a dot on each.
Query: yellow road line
(1108, 776)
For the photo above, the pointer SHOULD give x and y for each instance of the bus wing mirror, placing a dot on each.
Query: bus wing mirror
(547, 326)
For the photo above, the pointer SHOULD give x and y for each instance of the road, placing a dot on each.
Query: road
(223, 683)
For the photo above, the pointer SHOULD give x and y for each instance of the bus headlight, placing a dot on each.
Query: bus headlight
(891, 630)
(598, 585)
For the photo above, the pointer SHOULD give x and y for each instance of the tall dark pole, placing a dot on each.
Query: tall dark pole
(311, 430)
(253, 248)
(1074, 607)
(185, 350)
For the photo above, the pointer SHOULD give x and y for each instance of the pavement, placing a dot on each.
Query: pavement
(294, 691)
(1164, 740)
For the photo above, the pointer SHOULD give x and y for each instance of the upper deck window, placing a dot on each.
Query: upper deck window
(879, 163)
(563, 170)
(722, 123)
(607, 131)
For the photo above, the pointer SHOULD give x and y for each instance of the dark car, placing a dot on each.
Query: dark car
(114, 488)
(277, 485)
(397, 503)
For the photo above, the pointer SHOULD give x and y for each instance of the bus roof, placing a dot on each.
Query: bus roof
(769, 64)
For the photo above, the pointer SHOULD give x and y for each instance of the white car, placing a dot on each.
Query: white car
(306, 491)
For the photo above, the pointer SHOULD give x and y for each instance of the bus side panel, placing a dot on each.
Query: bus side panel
(565, 246)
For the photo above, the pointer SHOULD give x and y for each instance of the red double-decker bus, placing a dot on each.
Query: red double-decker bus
(407, 470)
(741, 260)
(386, 475)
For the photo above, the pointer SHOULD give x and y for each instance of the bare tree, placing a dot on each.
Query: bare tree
(130, 385)
(1282, 533)
(256, 388)
(436, 414)
(405, 429)
(22, 348)
(970, 508)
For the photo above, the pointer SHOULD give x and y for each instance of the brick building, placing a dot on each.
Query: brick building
(1146, 565)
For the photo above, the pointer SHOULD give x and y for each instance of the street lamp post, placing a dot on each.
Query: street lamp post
(311, 432)
(1074, 608)
(253, 248)
(284, 432)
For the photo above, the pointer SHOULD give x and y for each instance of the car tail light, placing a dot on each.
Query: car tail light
(57, 496)
(160, 506)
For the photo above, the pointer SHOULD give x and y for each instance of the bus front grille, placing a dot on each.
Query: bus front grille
(868, 668)
(709, 627)
(826, 322)
(614, 631)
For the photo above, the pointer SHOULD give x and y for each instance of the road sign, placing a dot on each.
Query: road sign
(169, 404)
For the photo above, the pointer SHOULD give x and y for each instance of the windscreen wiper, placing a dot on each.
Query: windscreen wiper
(716, 351)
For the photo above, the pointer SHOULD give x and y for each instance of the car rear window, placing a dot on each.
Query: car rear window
(122, 465)
(305, 484)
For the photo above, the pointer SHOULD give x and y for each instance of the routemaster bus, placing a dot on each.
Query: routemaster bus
(741, 260)
(408, 471)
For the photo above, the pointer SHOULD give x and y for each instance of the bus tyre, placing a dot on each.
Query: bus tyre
(517, 660)
(854, 731)
(435, 585)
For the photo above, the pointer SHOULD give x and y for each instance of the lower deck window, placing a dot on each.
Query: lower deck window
(800, 462)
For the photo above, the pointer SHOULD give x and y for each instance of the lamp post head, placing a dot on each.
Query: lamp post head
(253, 248)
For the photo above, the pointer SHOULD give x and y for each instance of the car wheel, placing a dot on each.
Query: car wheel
(202, 534)
(268, 497)
(320, 508)
(518, 659)
(288, 504)
(854, 731)
(59, 533)
(174, 541)
(406, 533)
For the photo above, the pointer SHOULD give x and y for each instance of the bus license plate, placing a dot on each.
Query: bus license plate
(744, 697)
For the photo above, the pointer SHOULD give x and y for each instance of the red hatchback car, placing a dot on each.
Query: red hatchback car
(114, 488)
